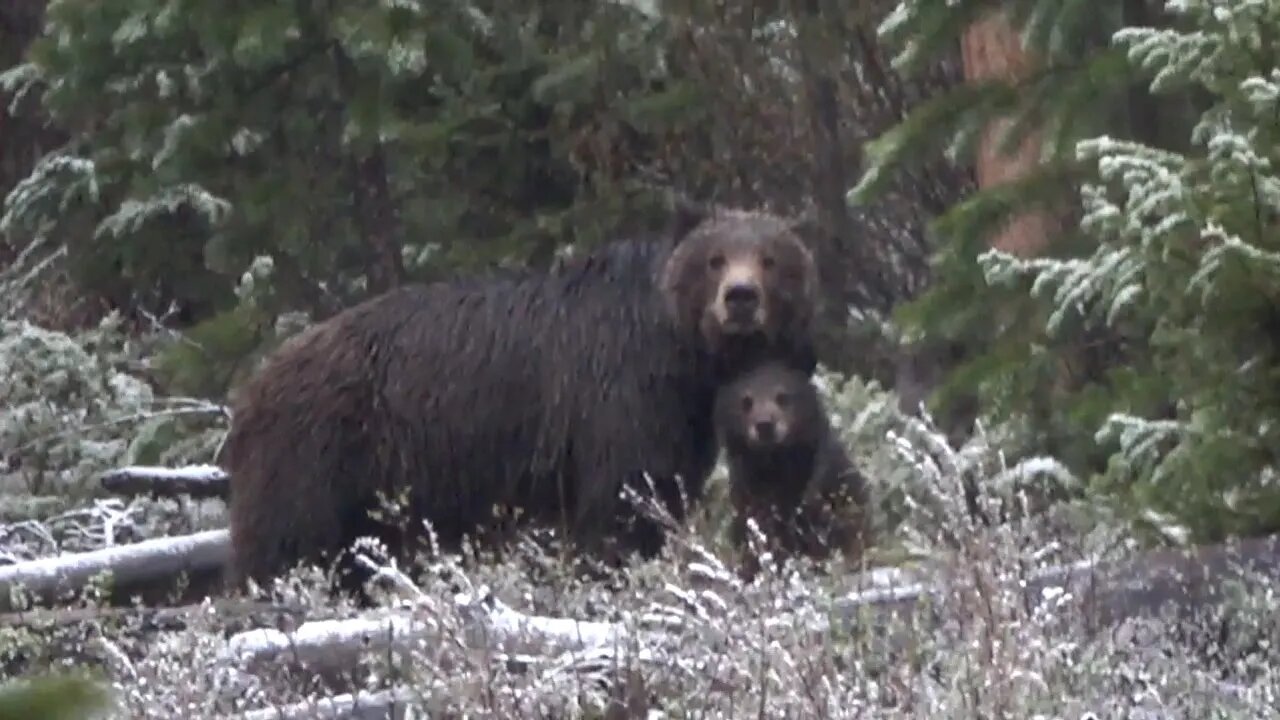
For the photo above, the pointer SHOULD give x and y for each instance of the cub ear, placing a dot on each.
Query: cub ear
(686, 214)
(802, 356)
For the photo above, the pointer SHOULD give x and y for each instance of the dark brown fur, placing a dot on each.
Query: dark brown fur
(787, 468)
(543, 392)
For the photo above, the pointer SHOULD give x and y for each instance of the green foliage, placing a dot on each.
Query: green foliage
(212, 353)
(352, 144)
(54, 697)
(1078, 86)
(1188, 254)
(72, 401)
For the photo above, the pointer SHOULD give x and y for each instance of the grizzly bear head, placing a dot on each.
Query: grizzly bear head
(741, 278)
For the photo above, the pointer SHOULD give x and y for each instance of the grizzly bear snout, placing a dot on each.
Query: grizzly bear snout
(740, 306)
(767, 432)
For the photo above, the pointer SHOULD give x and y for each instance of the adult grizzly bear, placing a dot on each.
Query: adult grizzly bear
(539, 392)
(787, 468)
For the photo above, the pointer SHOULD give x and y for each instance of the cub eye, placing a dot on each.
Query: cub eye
(746, 403)
(716, 262)
(767, 262)
(783, 399)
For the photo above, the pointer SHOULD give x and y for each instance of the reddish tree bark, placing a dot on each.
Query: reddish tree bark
(991, 48)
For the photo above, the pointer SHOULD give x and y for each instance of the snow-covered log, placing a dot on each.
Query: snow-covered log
(196, 481)
(137, 564)
(386, 705)
(1186, 580)
(325, 645)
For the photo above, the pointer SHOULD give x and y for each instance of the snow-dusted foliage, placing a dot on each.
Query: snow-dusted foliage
(692, 638)
(75, 407)
(72, 409)
(915, 475)
(1187, 258)
(682, 636)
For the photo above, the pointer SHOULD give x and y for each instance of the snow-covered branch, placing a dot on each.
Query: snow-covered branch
(491, 625)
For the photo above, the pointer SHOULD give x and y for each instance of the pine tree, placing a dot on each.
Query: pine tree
(1068, 86)
(1169, 267)
(342, 148)
(354, 144)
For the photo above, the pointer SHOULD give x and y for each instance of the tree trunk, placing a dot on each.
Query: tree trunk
(376, 215)
(378, 220)
(22, 139)
(991, 48)
(850, 267)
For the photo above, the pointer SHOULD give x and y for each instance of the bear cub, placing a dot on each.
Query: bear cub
(788, 469)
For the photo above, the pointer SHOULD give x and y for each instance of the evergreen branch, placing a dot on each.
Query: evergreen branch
(274, 72)
(957, 119)
(924, 31)
(133, 214)
(984, 210)
(1057, 97)
(918, 135)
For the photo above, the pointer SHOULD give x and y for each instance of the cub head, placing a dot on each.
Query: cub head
(771, 407)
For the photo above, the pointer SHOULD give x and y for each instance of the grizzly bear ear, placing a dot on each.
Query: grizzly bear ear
(686, 214)
(802, 223)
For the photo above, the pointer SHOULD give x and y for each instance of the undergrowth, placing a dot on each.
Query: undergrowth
(808, 640)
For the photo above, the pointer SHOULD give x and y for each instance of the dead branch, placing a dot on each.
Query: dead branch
(1184, 581)
(196, 481)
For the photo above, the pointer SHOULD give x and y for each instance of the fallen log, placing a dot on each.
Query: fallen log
(1184, 581)
(146, 567)
(327, 645)
(196, 481)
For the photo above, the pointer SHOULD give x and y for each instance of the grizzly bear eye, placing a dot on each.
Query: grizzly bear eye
(716, 262)
(746, 403)
(783, 399)
(767, 262)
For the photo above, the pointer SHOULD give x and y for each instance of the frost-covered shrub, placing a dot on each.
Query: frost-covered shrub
(700, 643)
(920, 486)
(72, 409)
